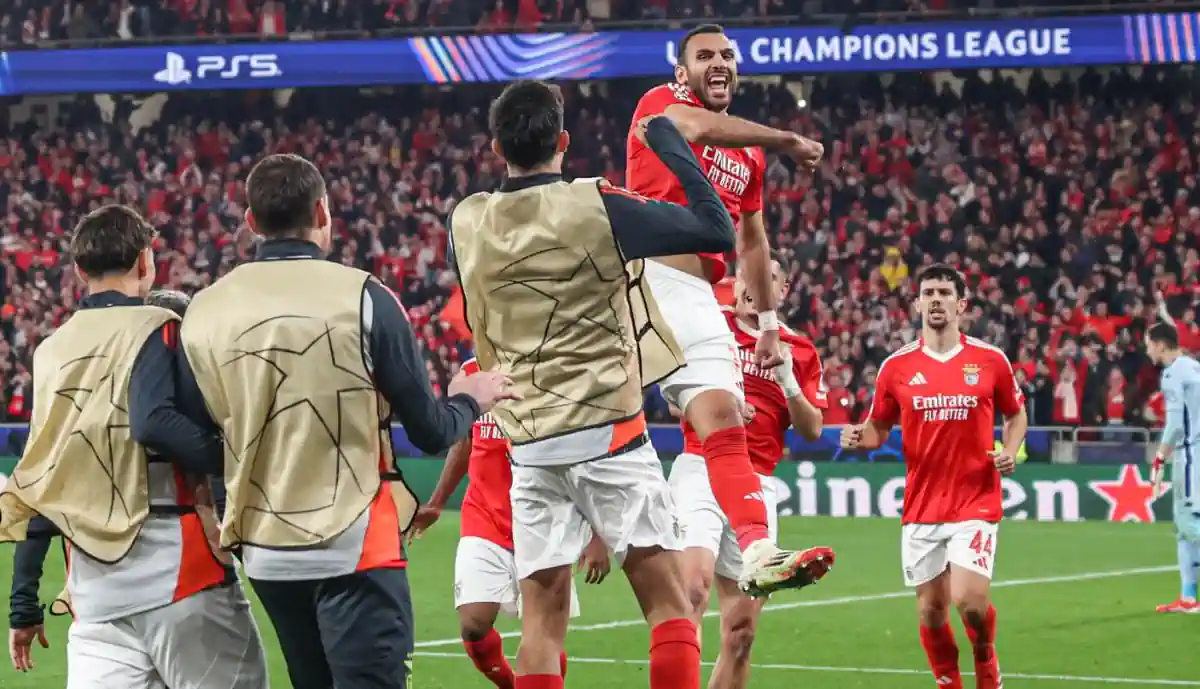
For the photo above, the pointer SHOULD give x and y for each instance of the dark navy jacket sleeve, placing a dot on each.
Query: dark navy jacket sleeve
(29, 557)
(156, 420)
(399, 370)
(188, 396)
(645, 228)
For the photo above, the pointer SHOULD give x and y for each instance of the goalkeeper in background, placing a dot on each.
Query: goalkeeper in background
(1179, 444)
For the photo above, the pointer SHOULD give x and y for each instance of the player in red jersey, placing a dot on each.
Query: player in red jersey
(791, 394)
(945, 390)
(708, 390)
(485, 572)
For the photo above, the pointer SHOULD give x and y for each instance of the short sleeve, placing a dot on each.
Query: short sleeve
(752, 199)
(1009, 398)
(806, 366)
(885, 410)
(658, 99)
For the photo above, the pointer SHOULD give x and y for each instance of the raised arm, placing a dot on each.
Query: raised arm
(645, 228)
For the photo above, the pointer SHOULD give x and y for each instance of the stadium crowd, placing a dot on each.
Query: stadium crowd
(25, 23)
(1073, 207)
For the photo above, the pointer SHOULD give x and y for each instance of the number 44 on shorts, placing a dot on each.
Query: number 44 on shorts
(982, 548)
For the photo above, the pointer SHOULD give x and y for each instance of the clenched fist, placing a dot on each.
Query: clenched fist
(851, 436)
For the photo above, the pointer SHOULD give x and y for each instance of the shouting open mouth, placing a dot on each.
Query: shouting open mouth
(718, 84)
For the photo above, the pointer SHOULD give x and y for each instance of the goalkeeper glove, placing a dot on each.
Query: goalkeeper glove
(1157, 469)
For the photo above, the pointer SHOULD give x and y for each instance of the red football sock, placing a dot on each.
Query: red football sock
(674, 655)
(488, 656)
(539, 682)
(736, 487)
(562, 662)
(983, 636)
(942, 651)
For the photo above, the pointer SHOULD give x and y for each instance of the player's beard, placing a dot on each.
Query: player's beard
(939, 325)
(698, 83)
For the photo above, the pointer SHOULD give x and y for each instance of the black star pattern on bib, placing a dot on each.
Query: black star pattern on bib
(557, 329)
(101, 444)
(290, 394)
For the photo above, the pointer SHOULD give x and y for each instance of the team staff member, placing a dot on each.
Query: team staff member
(25, 612)
(301, 364)
(115, 467)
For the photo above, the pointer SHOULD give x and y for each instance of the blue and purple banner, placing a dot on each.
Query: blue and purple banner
(1043, 42)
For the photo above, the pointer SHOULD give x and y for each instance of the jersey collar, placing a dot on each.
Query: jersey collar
(519, 183)
(741, 325)
(943, 358)
(103, 300)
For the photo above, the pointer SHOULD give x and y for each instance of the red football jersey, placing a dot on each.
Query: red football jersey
(947, 406)
(486, 510)
(767, 431)
(736, 173)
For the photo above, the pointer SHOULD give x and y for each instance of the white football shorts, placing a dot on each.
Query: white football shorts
(926, 550)
(690, 308)
(701, 520)
(624, 498)
(485, 572)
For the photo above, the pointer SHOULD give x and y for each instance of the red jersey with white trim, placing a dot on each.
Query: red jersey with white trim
(766, 434)
(486, 510)
(946, 406)
(736, 173)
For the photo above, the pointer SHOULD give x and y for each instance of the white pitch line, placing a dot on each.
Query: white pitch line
(879, 671)
(1086, 576)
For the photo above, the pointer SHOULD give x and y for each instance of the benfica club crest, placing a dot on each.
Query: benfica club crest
(971, 374)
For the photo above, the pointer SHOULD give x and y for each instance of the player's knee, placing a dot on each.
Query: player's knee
(476, 620)
(972, 606)
(933, 608)
(714, 410)
(697, 588)
(474, 629)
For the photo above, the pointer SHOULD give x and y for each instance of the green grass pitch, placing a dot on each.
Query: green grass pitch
(1075, 603)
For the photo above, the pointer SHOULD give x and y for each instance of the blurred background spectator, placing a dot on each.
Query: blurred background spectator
(1071, 204)
(38, 22)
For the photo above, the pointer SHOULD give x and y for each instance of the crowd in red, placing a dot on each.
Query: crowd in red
(32, 22)
(1073, 207)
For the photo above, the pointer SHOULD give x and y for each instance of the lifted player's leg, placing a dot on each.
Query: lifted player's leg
(716, 416)
(708, 392)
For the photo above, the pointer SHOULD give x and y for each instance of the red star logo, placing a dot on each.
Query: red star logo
(1130, 499)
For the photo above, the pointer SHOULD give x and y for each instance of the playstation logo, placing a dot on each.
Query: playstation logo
(176, 71)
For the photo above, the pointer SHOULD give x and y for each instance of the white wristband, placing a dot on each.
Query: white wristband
(791, 389)
(787, 380)
(768, 320)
